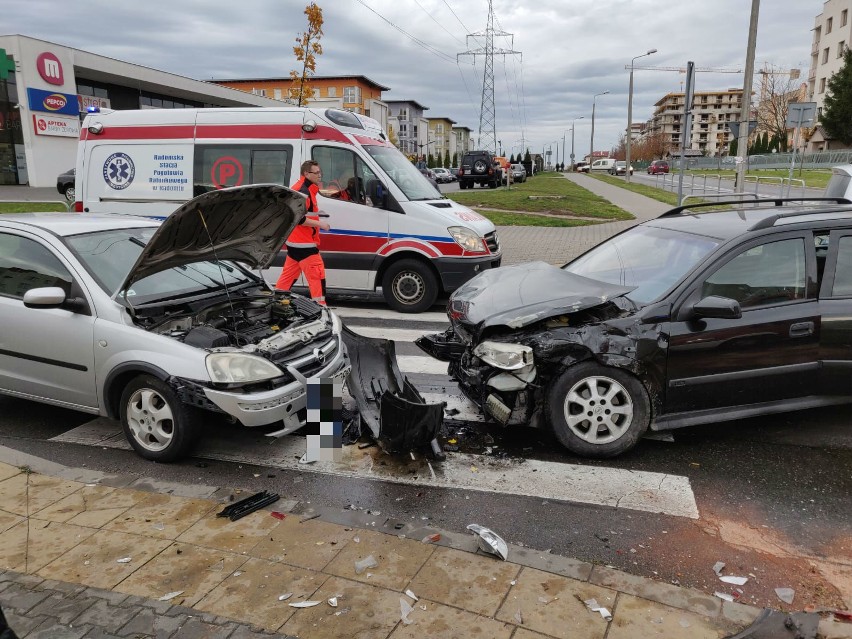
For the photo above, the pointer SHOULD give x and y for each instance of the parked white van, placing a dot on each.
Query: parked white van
(390, 227)
(604, 164)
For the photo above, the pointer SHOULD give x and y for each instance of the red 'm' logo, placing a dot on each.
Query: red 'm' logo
(50, 69)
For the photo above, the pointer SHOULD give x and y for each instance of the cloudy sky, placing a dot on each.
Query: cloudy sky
(571, 50)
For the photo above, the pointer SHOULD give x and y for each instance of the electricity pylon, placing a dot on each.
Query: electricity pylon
(487, 114)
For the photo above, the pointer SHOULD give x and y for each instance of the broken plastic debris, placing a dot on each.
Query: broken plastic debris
(490, 542)
(405, 609)
(304, 460)
(356, 539)
(431, 539)
(513, 582)
(544, 600)
(342, 611)
(171, 595)
(333, 602)
(411, 594)
(718, 567)
(724, 596)
(285, 596)
(159, 526)
(594, 607)
(737, 581)
(277, 515)
(237, 573)
(519, 617)
(367, 562)
(452, 441)
(785, 594)
(305, 604)
(124, 560)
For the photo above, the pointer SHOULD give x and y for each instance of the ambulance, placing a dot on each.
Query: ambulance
(390, 228)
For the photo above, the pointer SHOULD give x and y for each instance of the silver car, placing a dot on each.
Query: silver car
(155, 324)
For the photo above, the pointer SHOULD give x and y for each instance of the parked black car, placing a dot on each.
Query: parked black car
(691, 318)
(479, 167)
(65, 184)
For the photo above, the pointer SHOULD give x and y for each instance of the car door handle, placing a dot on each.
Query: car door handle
(802, 329)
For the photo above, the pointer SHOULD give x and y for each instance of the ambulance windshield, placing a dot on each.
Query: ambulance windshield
(403, 173)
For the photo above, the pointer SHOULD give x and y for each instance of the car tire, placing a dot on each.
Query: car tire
(492, 184)
(70, 194)
(598, 411)
(410, 286)
(158, 425)
(479, 166)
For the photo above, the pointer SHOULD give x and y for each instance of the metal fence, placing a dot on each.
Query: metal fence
(697, 184)
(820, 160)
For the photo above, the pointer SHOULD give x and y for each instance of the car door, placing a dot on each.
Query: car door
(768, 354)
(45, 353)
(835, 301)
(358, 229)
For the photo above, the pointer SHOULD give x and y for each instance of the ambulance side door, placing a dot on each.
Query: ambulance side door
(358, 229)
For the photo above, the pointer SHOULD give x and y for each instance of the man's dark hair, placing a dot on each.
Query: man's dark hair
(307, 165)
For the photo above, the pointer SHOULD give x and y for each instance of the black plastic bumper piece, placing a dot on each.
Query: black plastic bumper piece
(248, 505)
(445, 346)
(397, 416)
(774, 624)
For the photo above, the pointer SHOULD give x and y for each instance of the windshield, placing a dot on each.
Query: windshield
(403, 173)
(651, 259)
(109, 256)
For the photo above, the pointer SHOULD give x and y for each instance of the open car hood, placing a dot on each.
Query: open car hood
(247, 224)
(519, 295)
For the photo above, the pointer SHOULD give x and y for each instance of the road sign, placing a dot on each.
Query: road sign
(7, 63)
(735, 128)
(800, 114)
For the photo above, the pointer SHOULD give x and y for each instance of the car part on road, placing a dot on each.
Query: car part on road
(241, 508)
(410, 286)
(774, 624)
(389, 404)
(489, 541)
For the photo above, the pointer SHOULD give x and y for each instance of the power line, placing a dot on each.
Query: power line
(466, 30)
(419, 42)
(438, 23)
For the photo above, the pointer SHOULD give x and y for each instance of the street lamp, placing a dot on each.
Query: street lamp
(572, 142)
(630, 110)
(592, 142)
(500, 143)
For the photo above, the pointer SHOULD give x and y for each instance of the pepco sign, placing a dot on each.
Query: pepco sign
(49, 102)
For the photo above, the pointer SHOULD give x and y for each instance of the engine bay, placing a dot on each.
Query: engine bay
(269, 324)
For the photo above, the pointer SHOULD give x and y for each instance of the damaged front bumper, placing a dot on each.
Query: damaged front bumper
(398, 417)
(502, 394)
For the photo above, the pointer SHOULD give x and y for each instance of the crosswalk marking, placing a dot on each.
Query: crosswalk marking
(614, 487)
(645, 491)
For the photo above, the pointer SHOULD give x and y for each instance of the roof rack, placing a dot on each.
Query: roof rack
(780, 201)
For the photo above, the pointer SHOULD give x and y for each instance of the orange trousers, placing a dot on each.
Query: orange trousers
(314, 270)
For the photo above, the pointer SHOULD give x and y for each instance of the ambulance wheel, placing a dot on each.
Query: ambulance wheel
(409, 286)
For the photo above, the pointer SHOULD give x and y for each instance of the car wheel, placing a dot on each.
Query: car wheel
(70, 193)
(409, 286)
(156, 423)
(598, 411)
(492, 184)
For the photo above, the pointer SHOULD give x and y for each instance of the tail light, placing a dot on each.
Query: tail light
(78, 207)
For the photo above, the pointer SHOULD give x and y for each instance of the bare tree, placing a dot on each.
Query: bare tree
(306, 49)
(778, 88)
(619, 151)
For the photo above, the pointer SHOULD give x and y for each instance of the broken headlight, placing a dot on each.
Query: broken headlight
(467, 239)
(507, 357)
(238, 368)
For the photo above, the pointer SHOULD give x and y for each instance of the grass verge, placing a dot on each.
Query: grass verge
(545, 193)
(32, 207)
(515, 218)
(814, 178)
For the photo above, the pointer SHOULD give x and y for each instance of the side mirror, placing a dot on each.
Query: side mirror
(378, 193)
(54, 297)
(718, 307)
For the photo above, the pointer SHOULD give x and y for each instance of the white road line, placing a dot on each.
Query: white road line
(424, 365)
(385, 313)
(614, 487)
(395, 334)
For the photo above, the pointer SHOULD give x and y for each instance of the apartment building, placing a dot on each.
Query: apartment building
(832, 34)
(463, 140)
(711, 114)
(409, 124)
(441, 138)
(356, 93)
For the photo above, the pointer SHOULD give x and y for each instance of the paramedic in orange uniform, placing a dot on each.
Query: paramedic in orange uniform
(303, 254)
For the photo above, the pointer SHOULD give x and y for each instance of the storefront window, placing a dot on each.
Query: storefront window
(12, 159)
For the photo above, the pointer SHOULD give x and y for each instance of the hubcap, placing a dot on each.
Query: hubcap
(70, 193)
(598, 410)
(150, 419)
(409, 287)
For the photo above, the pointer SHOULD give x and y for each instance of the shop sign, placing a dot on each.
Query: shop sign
(51, 102)
(56, 125)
